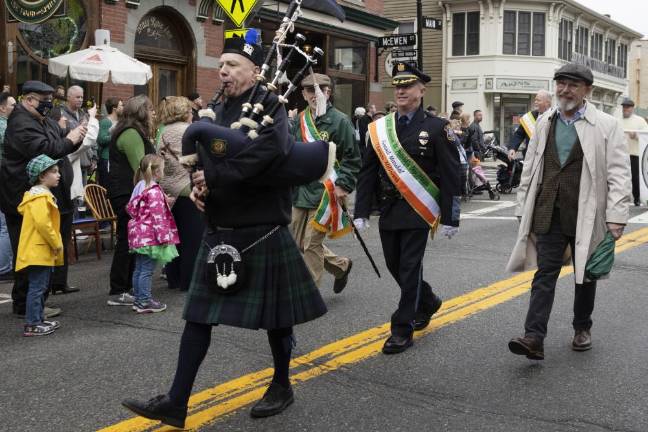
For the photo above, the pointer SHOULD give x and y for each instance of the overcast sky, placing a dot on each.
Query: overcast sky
(631, 13)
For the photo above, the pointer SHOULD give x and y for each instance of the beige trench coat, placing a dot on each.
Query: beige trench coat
(604, 187)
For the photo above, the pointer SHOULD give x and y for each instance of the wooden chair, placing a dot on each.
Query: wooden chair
(96, 199)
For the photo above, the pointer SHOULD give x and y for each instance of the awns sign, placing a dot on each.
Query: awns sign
(33, 11)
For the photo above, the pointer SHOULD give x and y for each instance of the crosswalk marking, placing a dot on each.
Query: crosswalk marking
(5, 298)
(500, 205)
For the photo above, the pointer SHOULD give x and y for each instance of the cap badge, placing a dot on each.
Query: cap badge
(401, 67)
(423, 137)
(248, 49)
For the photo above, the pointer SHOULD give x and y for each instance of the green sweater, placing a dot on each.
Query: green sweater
(339, 129)
(130, 143)
(104, 137)
(566, 137)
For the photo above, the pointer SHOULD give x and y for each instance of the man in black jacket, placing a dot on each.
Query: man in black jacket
(423, 151)
(30, 132)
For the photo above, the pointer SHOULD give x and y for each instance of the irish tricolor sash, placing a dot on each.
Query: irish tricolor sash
(528, 123)
(329, 217)
(411, 181)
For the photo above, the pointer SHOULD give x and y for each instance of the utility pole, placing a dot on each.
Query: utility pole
(419, 32)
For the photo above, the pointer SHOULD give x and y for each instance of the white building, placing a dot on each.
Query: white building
(498, 54)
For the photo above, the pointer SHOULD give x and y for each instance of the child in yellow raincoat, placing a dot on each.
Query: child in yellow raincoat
(40, 247)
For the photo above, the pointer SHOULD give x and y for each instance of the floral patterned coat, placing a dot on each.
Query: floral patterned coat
(151, 223)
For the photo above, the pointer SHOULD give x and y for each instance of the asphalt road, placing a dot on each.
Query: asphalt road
(459, 376)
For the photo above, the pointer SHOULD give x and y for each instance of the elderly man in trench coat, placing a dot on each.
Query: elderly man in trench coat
(575, 187)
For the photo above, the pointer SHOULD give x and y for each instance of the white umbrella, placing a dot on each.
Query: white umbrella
(99, 63)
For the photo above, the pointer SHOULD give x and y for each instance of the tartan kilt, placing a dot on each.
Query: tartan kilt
(278, 290)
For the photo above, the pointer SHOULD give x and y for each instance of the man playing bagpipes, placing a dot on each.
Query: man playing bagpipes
(317, 208)
(249, 272)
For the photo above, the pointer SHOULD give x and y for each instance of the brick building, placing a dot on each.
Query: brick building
(182, 39)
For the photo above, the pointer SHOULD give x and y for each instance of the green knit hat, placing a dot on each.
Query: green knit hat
(38, 165)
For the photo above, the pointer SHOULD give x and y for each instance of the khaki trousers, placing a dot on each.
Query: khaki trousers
(311, 243)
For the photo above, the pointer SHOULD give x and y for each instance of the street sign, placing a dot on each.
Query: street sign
(408, 53)
(431, 23)
(237, 10)
(407, 39)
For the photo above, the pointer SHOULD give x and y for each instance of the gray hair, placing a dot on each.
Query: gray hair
(74, 87)
(544, 94)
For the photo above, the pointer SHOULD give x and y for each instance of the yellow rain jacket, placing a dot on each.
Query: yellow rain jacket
(40, 234)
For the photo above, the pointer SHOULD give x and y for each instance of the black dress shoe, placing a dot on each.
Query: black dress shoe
(159, 408)
(582, 340)
(275, 400)
(397, 344)
(67, 289)
(341, 283)
(421, 323)
(527, 346)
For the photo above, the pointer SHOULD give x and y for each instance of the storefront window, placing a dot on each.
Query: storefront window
(58, 35)
(348, 56)
(348, 94)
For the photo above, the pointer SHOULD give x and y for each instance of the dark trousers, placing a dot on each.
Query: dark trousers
(634, 169)
(60, 274)
(121, 270)
(551, 248)
(21, 282)
(404, 252)
(190, 229)
(102, 172)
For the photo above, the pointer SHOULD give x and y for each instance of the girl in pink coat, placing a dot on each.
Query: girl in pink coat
(152, 232)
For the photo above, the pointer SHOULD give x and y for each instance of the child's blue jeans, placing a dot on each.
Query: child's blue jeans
(39, 277)
(142, 275)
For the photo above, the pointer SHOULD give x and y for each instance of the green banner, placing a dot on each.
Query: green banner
(33, 11)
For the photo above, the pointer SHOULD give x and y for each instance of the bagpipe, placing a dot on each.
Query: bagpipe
(303, 162)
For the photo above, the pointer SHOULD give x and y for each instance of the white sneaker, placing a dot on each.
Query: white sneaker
(124, 299)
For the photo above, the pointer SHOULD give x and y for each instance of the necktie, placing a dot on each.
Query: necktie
(402, 123)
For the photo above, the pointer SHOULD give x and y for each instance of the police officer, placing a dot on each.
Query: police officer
(334, 126)
(273, 289)
(403, 229)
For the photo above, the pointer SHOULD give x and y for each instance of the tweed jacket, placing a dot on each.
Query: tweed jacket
(604, 187)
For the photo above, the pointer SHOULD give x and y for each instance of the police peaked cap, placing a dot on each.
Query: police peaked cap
(405, 74)
(248, 47)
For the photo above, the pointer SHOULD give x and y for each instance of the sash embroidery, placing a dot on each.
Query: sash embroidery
(528, 123)
(417, 188)
(329, 217)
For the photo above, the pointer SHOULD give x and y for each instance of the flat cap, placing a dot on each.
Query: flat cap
(575, 72)
(457, 104)
(321, 79)
(405, 74)
(627, 102)
(36, 87)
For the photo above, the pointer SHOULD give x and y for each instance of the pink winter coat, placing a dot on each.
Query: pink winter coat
(151, 221)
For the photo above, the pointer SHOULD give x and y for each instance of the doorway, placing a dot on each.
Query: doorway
(162, 42)
(508, 108)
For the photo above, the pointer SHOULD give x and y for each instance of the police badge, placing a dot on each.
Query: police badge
(423, 137)
(218, 147)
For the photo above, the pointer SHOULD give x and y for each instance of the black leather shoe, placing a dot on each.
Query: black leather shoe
(420, 324)
(527, 346)
(275, 400)
(582, 340)
(159, 408)
(67, 289)
(397, 344)
(341, 283)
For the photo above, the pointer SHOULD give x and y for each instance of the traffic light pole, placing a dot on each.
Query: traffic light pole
(419, 32)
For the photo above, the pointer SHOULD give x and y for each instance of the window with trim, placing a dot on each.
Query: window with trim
(597, 46)
(622, 58)
(582, 40)
(465, 33)
(524, 33)
(610, 51)
(565, 39)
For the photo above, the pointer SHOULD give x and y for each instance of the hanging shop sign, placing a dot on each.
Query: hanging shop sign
(33, 11)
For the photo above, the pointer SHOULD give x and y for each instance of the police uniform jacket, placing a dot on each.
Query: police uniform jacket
(426, 140)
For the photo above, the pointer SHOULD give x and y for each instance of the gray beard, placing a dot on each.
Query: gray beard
(567, 105)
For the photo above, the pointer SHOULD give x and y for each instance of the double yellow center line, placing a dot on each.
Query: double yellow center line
(208, 405)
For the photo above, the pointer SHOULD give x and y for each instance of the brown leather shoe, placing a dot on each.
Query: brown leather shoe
(527, 346)
(582, 340)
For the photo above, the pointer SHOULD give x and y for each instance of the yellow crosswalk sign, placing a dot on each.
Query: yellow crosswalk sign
(237, 10)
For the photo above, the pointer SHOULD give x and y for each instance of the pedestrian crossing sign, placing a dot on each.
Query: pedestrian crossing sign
(237, 10)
